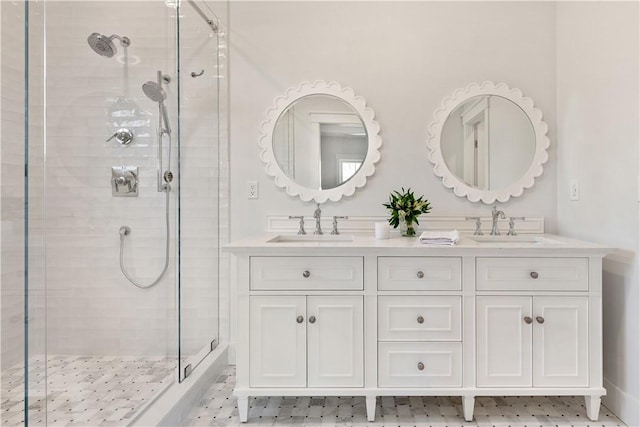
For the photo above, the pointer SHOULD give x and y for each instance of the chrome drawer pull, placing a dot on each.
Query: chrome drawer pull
(534, 274)
(528, 320)
(300, 319)
(540, 319)
(420, 274)
(312, 319)
(306, 274)
(420, 366)
(420, 319)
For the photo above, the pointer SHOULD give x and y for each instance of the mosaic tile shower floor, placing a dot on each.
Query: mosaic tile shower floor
(83, 391)
(218, 408)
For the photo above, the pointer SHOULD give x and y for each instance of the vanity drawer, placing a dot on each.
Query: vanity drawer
(402, 364)
(419, 273)
(419, 318)
(532, 274)
(306, 273)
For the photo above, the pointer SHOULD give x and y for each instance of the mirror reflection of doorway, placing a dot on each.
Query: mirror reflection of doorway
(343, 147)
(475, 124)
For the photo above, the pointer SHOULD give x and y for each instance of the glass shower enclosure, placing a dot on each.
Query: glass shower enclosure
(113, 203)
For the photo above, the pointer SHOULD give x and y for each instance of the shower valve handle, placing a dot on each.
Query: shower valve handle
(123, 135)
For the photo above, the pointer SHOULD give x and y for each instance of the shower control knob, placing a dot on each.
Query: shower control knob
(123, 135)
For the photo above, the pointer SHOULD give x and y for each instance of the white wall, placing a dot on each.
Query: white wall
(394, 55)
(598, 69)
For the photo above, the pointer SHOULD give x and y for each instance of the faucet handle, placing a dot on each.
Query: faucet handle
(335, 224)
(478, 231)
(512, 219)
(301, 218)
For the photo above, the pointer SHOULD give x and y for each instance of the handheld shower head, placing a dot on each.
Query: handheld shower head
(104, 45)
(154, 92)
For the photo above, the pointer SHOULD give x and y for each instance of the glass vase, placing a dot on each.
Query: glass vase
(408, 229)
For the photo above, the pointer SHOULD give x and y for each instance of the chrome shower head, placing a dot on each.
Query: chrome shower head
(154, 91)
(104, 46)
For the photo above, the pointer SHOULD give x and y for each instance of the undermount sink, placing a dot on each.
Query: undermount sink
(311, 238)
(515, 240)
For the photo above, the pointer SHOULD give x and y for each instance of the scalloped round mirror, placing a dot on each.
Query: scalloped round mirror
(320, 142)
(488, 142)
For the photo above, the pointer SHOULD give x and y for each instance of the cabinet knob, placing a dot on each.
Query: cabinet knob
(420, 274)
(528, 320)
(534, 274)
(312, 319)
(540, 319)
(420, 366)
(420, 319)
(299, 319)
(306, 274)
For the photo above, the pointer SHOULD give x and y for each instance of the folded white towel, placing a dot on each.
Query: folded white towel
(440, 237)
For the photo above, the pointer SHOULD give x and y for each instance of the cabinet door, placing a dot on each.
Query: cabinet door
(504, 341)
(277, 341)
(560, 342)
(335, 341)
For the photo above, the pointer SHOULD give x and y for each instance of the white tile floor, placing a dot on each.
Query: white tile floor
(218, 408)
(83, 391)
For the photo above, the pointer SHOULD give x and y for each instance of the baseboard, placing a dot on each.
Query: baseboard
(173, 406)
(624, 405)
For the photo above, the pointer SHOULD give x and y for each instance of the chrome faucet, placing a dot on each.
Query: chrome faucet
(478, 231)
(335, 224)
(495, 214)
(301, 218)
(512, 225)
(316, 215)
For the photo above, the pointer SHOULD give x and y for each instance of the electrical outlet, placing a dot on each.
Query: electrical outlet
(574, 190)
(252, 189)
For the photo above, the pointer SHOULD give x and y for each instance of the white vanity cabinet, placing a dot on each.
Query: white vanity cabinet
(397, 318)
(294, 341)
(532, 341)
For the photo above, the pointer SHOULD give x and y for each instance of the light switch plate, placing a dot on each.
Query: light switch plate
(574, 190)
(252, 189)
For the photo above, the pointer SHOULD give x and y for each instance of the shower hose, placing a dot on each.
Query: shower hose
(124, 231)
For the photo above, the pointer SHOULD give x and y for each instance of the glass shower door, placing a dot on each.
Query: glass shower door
(104, 346)
(199, 173)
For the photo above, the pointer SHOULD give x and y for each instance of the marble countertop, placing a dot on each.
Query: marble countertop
(521, 245)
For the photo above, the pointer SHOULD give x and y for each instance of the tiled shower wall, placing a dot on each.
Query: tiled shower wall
(12, 182)
(92, 308)
(15, 285)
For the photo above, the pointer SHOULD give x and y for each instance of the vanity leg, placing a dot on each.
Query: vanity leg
(592, 404)
(468, 402)
(371, 408)
(243, 408)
